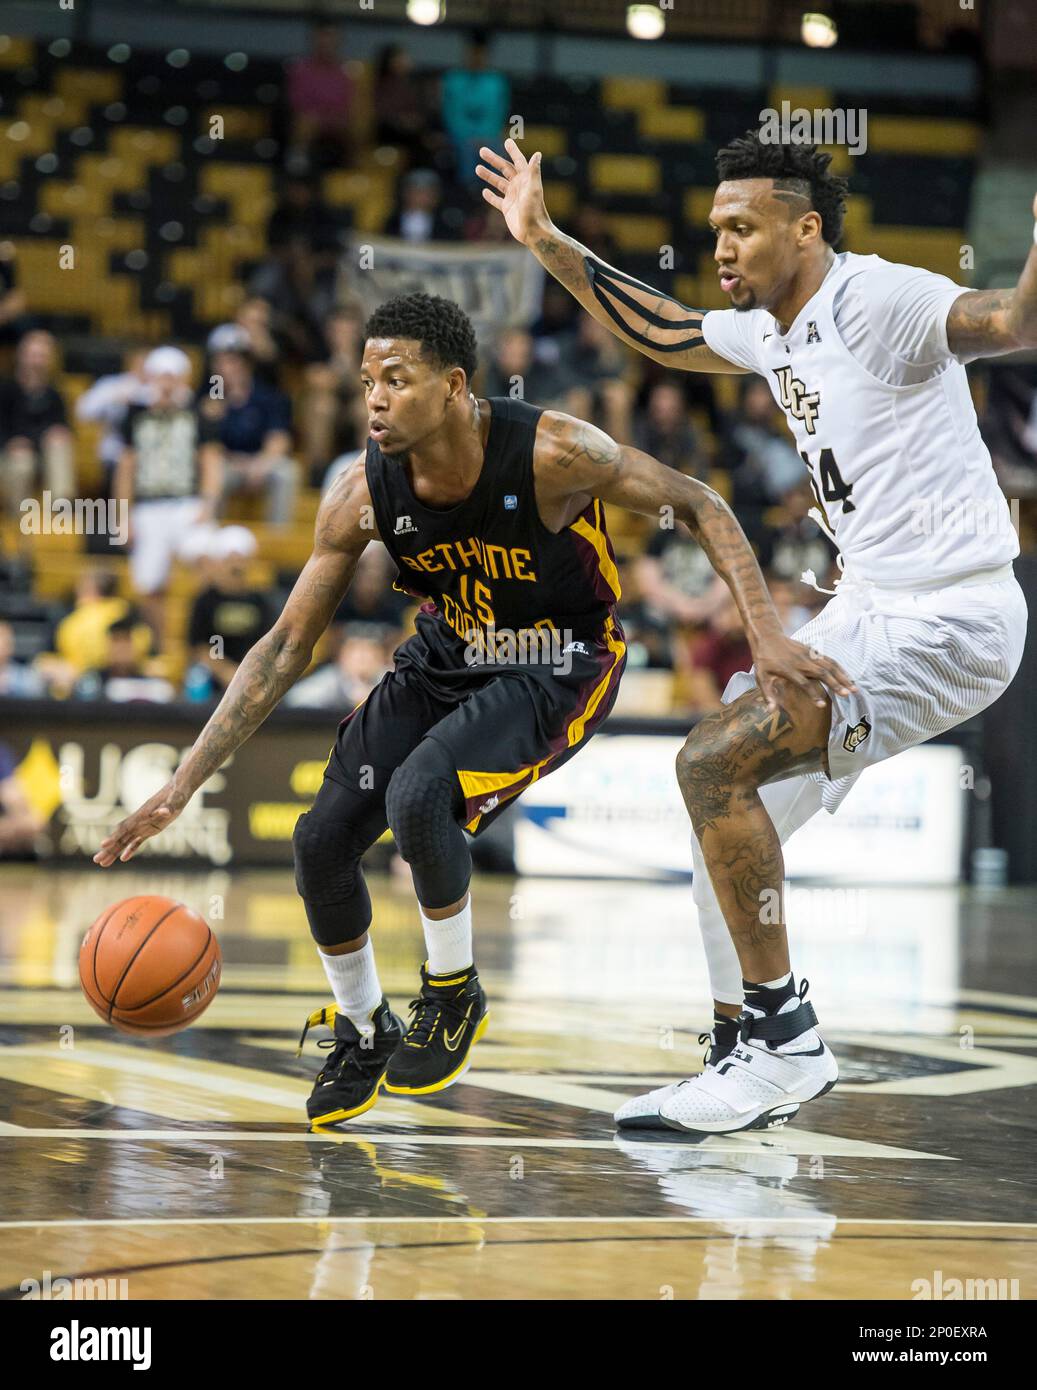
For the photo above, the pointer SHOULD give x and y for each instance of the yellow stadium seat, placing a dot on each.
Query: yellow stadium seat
(560, 198)
(637, 232)
(625, 173)
(16, 52)
(89, 84)
(685, 123)
(922, 135)
(550, 140)
(633, 93)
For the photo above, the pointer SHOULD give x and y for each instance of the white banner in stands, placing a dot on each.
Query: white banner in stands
(497, 286)
(615, 811)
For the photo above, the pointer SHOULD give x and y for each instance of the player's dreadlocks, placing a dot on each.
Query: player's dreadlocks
(795, 168)
(442, 328)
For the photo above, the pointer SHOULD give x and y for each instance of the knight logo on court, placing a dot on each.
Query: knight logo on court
(794, 397)
(855, 735)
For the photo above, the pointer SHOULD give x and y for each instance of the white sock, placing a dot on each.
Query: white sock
(449, 941)
(354, 982)
(777, 984)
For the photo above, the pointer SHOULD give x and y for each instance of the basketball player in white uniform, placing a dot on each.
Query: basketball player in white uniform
(866, 359)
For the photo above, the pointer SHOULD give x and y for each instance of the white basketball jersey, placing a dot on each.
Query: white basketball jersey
(899, 470)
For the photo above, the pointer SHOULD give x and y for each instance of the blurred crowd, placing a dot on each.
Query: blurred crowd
(209, 443)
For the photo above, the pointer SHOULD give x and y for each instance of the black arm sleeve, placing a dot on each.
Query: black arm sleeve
(607, 286)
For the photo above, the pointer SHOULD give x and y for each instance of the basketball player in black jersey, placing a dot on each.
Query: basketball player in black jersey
(493, 512)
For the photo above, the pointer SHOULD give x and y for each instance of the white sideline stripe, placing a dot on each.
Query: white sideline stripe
(508, 1221)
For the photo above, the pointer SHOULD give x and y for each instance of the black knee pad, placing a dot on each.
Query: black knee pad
(328, 877)
(422, 803)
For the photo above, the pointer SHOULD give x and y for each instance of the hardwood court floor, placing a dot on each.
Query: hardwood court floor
(183, 1165)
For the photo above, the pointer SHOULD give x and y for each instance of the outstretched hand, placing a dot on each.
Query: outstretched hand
(514, 189)
(128, 836)
(783, 658)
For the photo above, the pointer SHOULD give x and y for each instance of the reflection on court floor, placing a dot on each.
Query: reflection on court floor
(183, 1166)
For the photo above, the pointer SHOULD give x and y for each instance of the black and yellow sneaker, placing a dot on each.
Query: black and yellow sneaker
(448, 1018)
(348, 1082)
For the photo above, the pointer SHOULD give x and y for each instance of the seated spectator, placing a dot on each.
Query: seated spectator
(474, 106)
(255, 316)
(796, 544)
(647, 633)
(34, 434)
(302, 220)
(12, 299)
(321, 96)
(298, 277)
(419, 213)
(795, 602)
(20, 823)
(1009, 427)
(17, 680)
(403, 114)
(81, 638)
(169, 474)
(514, 371)
(559, 313)
(371, 597)
(334, 413)
(666, 432)
(711, 657)
(359, 664)
(591, 229)
(598, 366)
(228, 617)
(756, 451)
(677, 582)
(253, 422)
(122, 677)
(106, 403)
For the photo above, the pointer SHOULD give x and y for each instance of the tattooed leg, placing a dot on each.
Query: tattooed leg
(726, 758)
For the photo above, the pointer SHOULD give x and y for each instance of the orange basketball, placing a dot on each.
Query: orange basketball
(149, 966)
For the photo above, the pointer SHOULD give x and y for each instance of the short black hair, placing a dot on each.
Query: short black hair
(795, 168)
(442, 328)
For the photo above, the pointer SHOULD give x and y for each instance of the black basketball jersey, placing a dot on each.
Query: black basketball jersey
(489, 564)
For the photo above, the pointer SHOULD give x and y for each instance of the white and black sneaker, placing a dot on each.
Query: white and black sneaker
(643, 1112)
(779, 1060)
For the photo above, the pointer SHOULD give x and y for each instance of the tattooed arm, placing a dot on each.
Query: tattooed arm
(985, 323)
(574, 459)
(271, 667)
(654, 323)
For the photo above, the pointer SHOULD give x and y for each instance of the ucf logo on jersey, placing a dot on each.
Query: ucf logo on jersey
(800, 403)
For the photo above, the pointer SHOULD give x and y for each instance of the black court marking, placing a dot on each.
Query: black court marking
(117, 1270)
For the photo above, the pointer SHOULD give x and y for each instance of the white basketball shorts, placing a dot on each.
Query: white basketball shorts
(923, 661)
